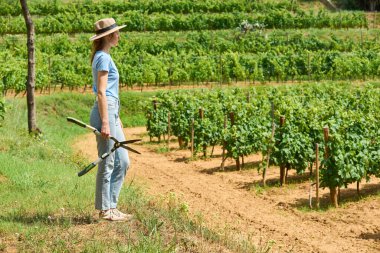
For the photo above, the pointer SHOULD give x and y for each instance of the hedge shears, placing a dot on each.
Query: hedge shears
(117, 144)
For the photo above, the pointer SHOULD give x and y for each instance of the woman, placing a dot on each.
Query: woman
(105, 117)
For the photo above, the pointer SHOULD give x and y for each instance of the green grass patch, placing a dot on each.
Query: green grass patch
(46, 207)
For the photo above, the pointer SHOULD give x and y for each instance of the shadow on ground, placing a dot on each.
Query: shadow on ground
(346, 196)
(275, 182)
(49, 219)
(371, 236)
(231, 168)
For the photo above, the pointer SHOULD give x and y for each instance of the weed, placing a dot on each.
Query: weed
(162, 149)
(2, 246)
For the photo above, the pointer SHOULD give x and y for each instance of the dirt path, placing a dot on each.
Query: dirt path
(234, 200)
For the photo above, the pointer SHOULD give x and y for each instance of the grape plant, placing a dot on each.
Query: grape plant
(240, 121)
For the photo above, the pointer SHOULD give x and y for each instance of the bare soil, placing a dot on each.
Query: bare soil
(235, 201)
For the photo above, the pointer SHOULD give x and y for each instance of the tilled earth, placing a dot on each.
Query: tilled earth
(235, 201)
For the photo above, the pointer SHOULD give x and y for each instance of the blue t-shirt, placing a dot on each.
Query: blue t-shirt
(103, 62)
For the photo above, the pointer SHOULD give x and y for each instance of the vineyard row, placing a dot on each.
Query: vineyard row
(176, 69)
(202, 42)
(146, 6)
(137, 21)
(283, 124)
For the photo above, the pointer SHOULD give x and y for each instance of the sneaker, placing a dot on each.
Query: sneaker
(105, 214)
(110, 215)
(117, 212)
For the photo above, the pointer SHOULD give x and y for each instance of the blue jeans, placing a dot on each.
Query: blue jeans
(112, 170)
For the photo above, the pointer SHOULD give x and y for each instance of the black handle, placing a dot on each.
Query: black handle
(87, 169)
(78, 122)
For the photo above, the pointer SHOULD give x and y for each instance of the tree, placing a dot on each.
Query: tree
(2, 110)
(30, 83)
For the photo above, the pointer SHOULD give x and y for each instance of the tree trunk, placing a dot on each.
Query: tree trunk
(334, 196)
(358, 188)
(238, 163)
(282, 174)
(30, 85)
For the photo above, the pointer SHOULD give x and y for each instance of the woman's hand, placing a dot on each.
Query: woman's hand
(105, 131)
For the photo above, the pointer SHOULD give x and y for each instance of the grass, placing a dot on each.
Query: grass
(47, 208)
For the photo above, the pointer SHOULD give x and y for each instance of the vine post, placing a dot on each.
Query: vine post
(270, 149)
(333, 189)
(282, 165)
(155, 105)
(155, 109)
(201, 116)
(168, 131)
(317, 173)
(192, 138)
(232, 118)
(224, 145)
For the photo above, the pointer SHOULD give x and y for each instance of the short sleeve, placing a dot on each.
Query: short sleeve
(103, 63)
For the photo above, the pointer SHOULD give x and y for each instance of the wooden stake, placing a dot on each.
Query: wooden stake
(326, 137)
(333, 190)
(168, 130)
(232, 118)
(224, 145)
(155, 105)
(317, 173)
(192, 138)
(201, 115)
(310, 195)
(282, 166)
(269, 150)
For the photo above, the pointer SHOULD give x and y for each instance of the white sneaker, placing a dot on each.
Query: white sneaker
(117, 212)
(110, 215)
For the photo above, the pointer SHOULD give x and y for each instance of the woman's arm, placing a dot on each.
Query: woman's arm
(102, 102)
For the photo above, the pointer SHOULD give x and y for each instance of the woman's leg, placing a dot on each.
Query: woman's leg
(105, 167)
(121, 165)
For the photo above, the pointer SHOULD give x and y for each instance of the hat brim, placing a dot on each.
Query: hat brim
(98, 36)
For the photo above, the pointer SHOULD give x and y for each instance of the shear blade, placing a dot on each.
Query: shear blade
(130, 149)
(130, 141)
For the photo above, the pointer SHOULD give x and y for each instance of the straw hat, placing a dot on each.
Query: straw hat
(104, 27)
